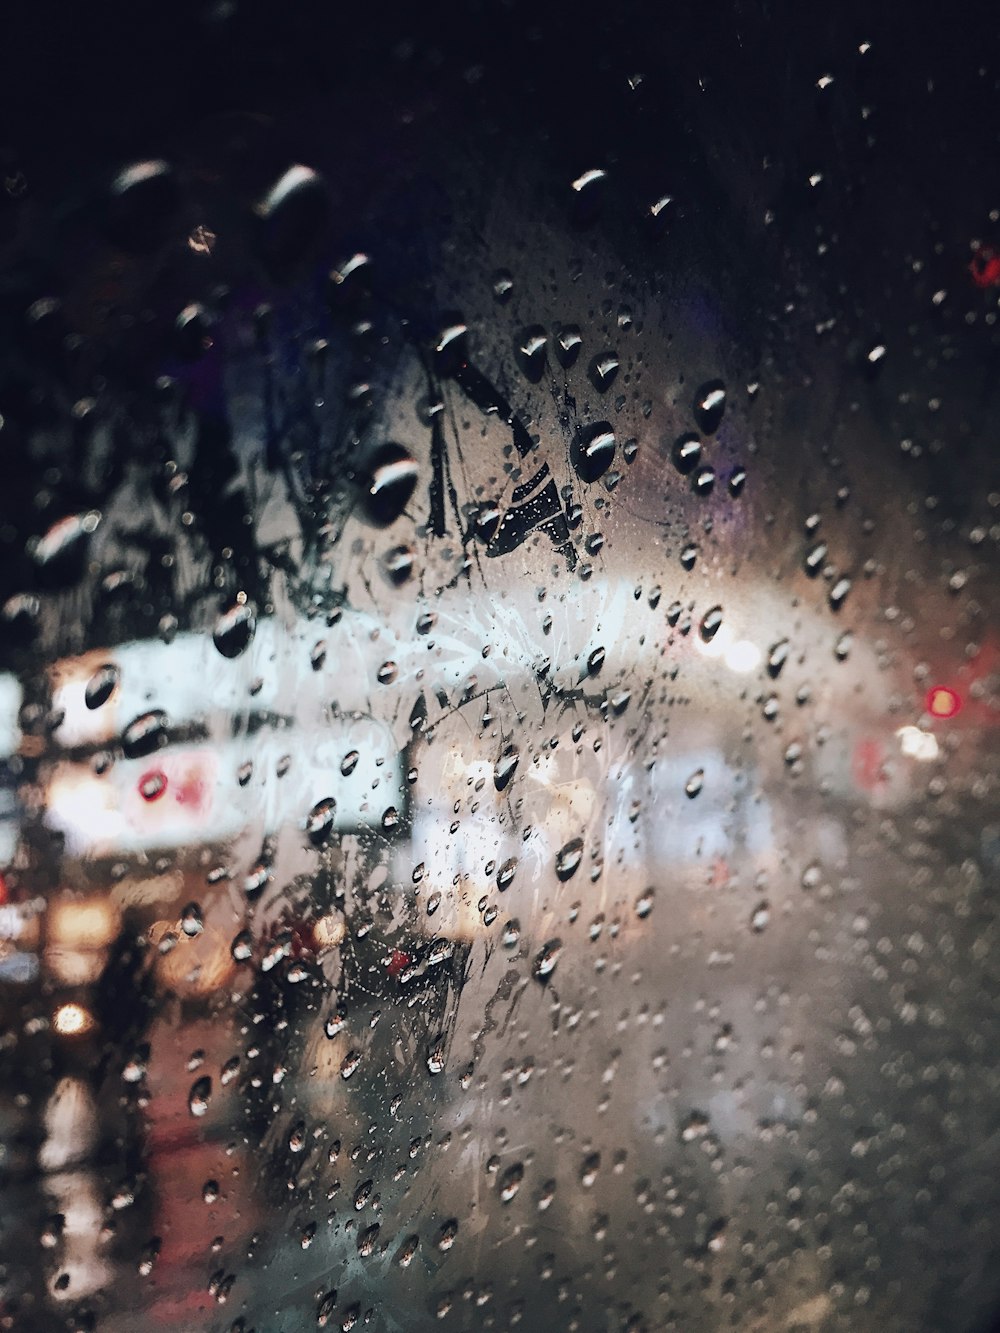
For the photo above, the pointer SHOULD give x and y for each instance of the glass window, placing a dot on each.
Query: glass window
(499, 672)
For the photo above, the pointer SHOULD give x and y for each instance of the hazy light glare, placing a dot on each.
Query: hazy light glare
(743, 656)
(72, 1020)
(917, 744)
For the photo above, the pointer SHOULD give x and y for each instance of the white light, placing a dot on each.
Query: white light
(743, 656)
(739, 655)
(917, 744)
(588, 178)
(72, 1020)
(718, 645)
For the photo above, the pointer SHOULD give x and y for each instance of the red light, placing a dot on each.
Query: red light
(152, 785)
(942, 701)
(985, 267)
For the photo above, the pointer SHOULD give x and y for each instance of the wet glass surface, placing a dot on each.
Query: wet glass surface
(499, 674)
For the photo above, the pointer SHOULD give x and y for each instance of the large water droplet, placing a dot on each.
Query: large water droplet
(711, 623)
(686, 453)
(603, 371)
(510, 1182)
(200, 1096)
(101, 686)
(546, 960)
(235, 629)
(568, 859)
(319, 821)
(593, 451)
(504, 769)
(65, 539)
(506, 873)
(694, 783)
(568, 345)
(192, 921)
(144, 734)
(529, 351)
(388, 484)
(143, 199)
(814, 559)
(293, 216)
(242, 947)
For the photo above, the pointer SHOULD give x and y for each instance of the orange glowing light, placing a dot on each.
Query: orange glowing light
(942, 701)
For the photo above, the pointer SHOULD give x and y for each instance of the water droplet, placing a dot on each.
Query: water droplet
(192, 922)
(101, 686)
(776, 658)
(709, 405)
(686, 453)
(815, 558)
(506, 873)
(143, 199)
(838, 593)
(842, 648)
(529, 352)
(387, 673)
(811, 876)
(711, 623)
(446, 1236)
(256, 878)
(319, 821)
(397, 564)
(568, 345)
(737, 482)
(335, 1023)
(235, 629)
(201, 241)
(144, 734)
(694, 783)
(436, 1055)
(595, 661)
(242, 947)
(546, 960)
(589, 1169)
(760, 917)
(511, 935)
(210, 1191)
(349, 763)
(292, 218)
(644, 903)
(349, 1064)
(297, 1136)
(324, 1312)
(389, 483)
(407, 1250)
(689, 555)
(703, 481)
(200, 1096)
(502, 285)
(603, 371)
(505, 768)
(568, 859)
(510, 1182)
(153, 785)
(593, 451)
(696, 1126)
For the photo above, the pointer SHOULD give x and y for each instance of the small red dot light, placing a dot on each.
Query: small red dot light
(942, 701)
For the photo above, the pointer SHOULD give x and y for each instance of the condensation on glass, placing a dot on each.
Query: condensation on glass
(498, 807)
